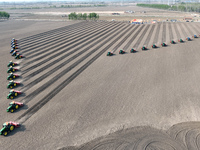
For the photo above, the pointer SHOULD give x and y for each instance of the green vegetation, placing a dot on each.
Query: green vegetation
(62, 6)
(93, 16)
(80, 16)
(159, 6)
(25, 8)
(4, 14)
(73, 6)
(187, 7)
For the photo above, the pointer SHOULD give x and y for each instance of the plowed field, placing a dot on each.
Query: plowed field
(74, 93)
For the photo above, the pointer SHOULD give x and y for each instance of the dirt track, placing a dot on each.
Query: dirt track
(75, 93)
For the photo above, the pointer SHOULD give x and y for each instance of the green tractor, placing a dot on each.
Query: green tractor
(8, 127)
(11, 63)
(163, 44)
(181, 40)
(13, 93)
(144, 48)
(12, 76)
(14, 106)
(154, 46)
(109, 53)
(12, 84)
(11, 69)
(133, 50)
(121, 51)
(172, 42)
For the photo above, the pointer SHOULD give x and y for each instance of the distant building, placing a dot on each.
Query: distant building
(154, 21)
(137, 21)
(187, 18)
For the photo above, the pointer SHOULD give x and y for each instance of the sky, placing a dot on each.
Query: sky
(28, 0)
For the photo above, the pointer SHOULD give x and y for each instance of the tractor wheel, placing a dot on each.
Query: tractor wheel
(11, 97)
(15, 94)
(11, 87)
(13, 76)
(15, 84)
(17, 106)
(12, 128)
(5, 133)
(12, 110)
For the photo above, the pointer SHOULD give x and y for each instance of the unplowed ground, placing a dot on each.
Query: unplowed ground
(74, 93)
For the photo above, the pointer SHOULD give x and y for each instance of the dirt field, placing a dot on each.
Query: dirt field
(105, 13)
(77, 96)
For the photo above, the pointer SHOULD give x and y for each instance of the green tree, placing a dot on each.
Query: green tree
(4, 14)
(84, 16)
(79, 16)
(93, 16)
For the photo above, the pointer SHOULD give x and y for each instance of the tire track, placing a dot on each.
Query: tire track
(164, 32)
(32, 110)
(198, 141)
(186, 25)
(191, 137)
(49, 39)
(141, 36)
(182, 29)
(65, 50)
(136, 138)
(170, 31)
(157, 33)
(124, 39)
(60, 48)
(66, 55)
(132, 39)
(177, 32)
(84, 33)
(30, 38)
(60, 66)
(195, 28)
(149, 36)
(160, 140)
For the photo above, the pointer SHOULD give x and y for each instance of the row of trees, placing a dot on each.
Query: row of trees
(69, 6)
(159, 6)
(178, 7)
(4, 14)
(80, 16)
(61, 6)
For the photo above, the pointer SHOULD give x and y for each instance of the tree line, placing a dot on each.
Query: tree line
(80, 16)
(186, 7)
(69, 6)
(4, 14)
